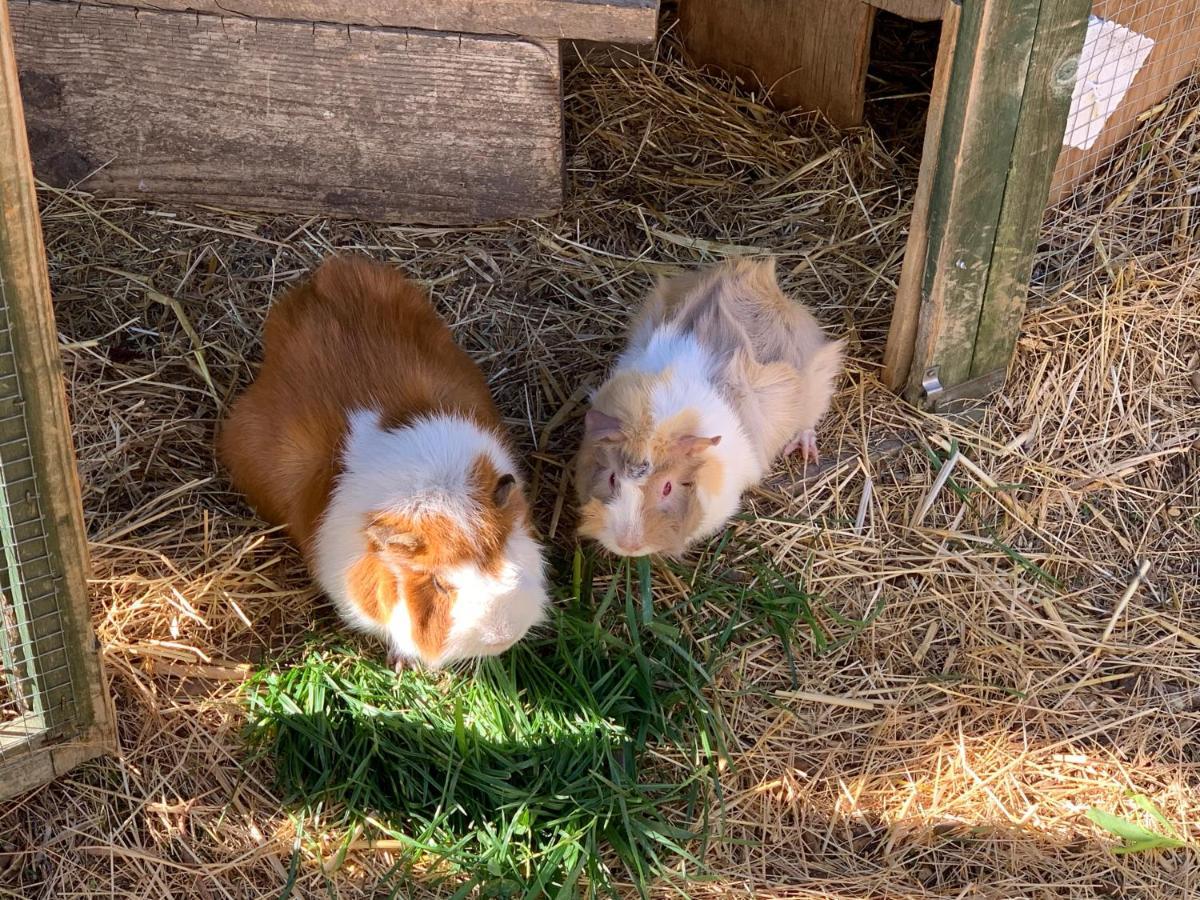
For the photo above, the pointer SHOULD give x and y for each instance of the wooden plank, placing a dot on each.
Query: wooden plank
(993, 44)
(286, 116)
(1043, 117)
(902, 335)
(809, 54)
(26, 293)
(1175, 28)
(917, 10)
(622, 21)
(44, 761)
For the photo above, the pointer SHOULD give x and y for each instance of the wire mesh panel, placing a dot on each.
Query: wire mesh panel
(54, 708)
(1125, 184)
(35, 691)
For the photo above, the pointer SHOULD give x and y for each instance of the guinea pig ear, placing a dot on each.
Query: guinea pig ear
(384, 537)
(690, 444)
(600, 426)
(503, 491)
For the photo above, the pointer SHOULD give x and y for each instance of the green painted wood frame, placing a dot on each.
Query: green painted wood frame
(1002, 91)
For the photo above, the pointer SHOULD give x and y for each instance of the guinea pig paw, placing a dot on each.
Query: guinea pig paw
(398, 663)
(805, 441)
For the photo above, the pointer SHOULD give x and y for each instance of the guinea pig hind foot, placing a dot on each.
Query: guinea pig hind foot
(806, 442)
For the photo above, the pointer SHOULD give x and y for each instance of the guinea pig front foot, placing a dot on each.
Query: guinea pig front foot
(805, 441)
(398, 663)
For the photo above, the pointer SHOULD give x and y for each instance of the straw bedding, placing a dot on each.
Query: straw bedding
(1037, 612)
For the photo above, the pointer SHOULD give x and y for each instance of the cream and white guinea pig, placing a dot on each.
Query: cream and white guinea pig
(722, 374)
(373, 437)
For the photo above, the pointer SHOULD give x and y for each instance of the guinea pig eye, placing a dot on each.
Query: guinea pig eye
(666, 489)
(438, 585)
(612, 481)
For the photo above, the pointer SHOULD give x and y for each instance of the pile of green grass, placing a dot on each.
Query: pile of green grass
(527, 774)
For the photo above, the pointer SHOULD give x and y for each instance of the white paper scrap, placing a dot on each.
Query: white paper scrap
(1112, 56)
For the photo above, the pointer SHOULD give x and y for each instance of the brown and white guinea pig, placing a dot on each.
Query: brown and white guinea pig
(722, 373)
(373, 437)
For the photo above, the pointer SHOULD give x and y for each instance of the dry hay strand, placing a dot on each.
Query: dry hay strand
(1037, 652)
(1015, 669)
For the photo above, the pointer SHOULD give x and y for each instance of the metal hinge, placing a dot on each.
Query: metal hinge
(931, 388)
(936, 397)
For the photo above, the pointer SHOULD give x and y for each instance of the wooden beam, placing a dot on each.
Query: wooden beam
(902, 335)
(372, 123)
(808, 54)
(25, 295)
(619, 21)
(917, 10)
(1036, 148)
(989, 168)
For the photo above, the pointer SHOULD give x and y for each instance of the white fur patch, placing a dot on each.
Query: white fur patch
(624, 533)
(425, 468)
(689, 368)
(490, 614)
(666, 347)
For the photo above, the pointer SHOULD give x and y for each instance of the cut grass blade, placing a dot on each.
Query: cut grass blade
(1136, 838)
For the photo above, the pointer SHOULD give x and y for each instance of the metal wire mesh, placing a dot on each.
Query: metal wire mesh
(36, 698)
(1127, 178)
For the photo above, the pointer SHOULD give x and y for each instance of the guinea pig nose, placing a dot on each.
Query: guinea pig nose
(637, 469)
(629, 542)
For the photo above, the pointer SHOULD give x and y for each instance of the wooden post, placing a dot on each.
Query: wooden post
(1001, 96)
(902, 336)
(80, 716)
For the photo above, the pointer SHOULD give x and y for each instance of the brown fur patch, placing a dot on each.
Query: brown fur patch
(437, 543)
(373, 588)
(429, 611)
(667, 433)
(591, 519)
(710, 476)
(494, 523)
(626, 396)
(669, 529)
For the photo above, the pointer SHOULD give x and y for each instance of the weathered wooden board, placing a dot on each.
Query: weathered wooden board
(1174, 26)
(991, 165)
(1040, 125)
(622, 21)
(25, 291)
(917, 10)
(809, 54)
(373, 123)
(983, 100)
(902, 335)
